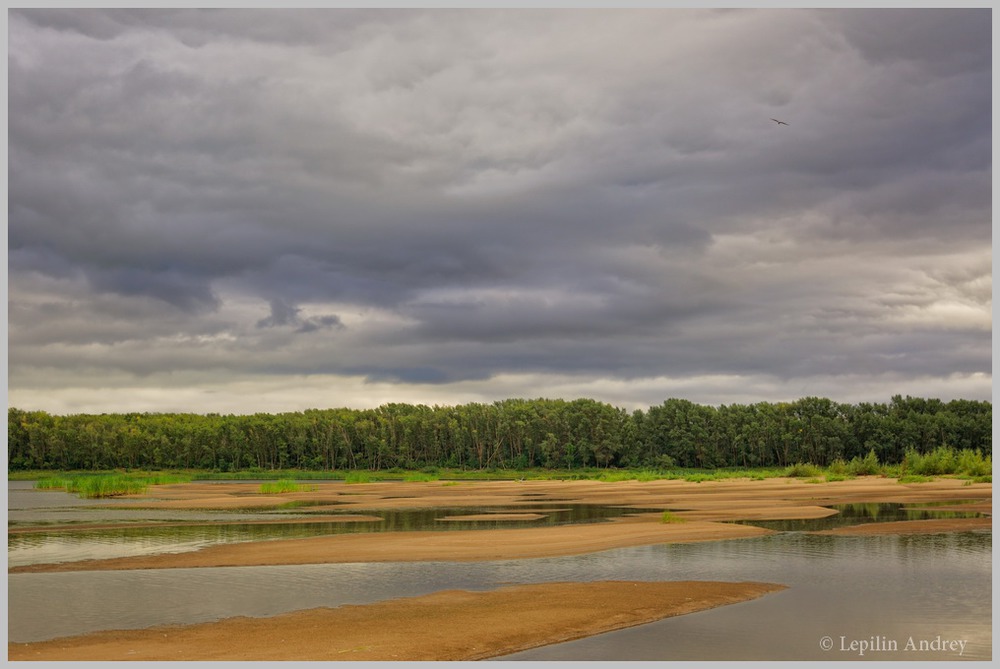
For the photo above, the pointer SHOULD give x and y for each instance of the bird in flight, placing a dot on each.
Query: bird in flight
(779, 122)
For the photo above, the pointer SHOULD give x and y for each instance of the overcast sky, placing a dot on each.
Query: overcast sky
(273, 210)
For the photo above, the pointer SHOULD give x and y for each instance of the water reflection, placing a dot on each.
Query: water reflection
(924, 586)
(858, 513)
(888, 585)
(194, 530)
(893, 587)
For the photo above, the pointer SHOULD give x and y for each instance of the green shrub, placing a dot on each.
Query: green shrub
(803, 470)
(945, 460)
(867, 466)
(664, 462)
(838, 468)
(973, 463)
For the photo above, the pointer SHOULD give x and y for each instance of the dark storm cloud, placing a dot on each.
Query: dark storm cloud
(283, 314)
(433, 197)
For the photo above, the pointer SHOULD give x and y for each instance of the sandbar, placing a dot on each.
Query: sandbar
(926, 526)
(450, 625)
(706, 510)
(459, 625)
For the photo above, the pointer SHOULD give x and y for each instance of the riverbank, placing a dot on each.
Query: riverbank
(443, 626)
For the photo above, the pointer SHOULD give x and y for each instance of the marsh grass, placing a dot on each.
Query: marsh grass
(96, 486)
(360, 476)
(283, 486)
(51, 483)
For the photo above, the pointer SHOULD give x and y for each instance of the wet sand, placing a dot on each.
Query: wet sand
(929, 526)
(464, 625)
(444, 626)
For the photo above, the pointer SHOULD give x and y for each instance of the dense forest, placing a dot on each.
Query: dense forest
(514, 433)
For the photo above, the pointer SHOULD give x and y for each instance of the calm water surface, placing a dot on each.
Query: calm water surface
(883, 591)
(199, 529)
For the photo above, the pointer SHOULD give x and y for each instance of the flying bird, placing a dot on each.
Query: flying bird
(779, 122)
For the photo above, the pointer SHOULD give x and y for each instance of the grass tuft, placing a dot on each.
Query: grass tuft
(283, 486)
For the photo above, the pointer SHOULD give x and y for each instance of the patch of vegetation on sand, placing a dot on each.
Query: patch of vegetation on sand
(284, 486)
(92, 486)
(671, 517)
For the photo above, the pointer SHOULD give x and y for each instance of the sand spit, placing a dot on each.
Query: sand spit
(929, 526)
(444, 545)
(443, 626)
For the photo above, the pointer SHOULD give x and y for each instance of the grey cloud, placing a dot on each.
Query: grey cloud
(171, 286)
(432, 196)
(283, 314)
(200, 27)
(943, 40)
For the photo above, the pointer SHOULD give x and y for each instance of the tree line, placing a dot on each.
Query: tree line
(507, 434)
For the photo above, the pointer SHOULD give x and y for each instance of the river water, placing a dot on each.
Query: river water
(916, 597)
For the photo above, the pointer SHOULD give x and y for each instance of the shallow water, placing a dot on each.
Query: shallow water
(885, 589)
(857, 514)
(27, 506)
(843, 591)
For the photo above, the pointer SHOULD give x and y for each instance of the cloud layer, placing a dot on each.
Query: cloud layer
(245, 210)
